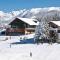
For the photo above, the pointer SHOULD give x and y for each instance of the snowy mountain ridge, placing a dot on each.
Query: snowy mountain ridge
(31, 13)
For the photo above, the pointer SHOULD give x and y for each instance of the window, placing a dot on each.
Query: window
(58, 31)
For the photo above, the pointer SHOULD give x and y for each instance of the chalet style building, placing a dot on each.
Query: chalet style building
(21, 26)
(55, 29)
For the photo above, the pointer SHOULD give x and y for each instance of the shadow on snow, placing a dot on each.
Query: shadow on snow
(27, 41)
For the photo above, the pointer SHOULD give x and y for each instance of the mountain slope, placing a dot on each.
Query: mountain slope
(31, 13)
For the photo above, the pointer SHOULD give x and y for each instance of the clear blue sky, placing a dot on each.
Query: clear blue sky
(9, 5)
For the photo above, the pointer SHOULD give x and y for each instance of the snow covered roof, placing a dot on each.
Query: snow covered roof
(56, 22)
(28, 21)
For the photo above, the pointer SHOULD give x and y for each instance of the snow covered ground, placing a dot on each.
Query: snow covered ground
(22, 51)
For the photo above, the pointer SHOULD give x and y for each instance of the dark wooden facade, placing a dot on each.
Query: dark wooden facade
(19, 27)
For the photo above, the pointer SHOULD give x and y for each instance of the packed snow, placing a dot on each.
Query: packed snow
(43, 51)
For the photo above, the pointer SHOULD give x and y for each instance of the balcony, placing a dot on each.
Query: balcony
(15, 30)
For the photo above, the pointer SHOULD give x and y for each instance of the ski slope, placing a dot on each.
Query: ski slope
(44, 51)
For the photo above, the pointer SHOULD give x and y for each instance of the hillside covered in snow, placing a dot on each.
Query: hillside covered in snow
(27, 13)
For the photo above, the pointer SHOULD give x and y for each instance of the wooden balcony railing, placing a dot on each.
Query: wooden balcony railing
(19, 29)
(15, 30)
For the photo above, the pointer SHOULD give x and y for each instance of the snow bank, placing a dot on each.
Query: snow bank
(17, 37)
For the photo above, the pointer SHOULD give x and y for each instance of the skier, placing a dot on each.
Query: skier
(10, 45)
(30, 54)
